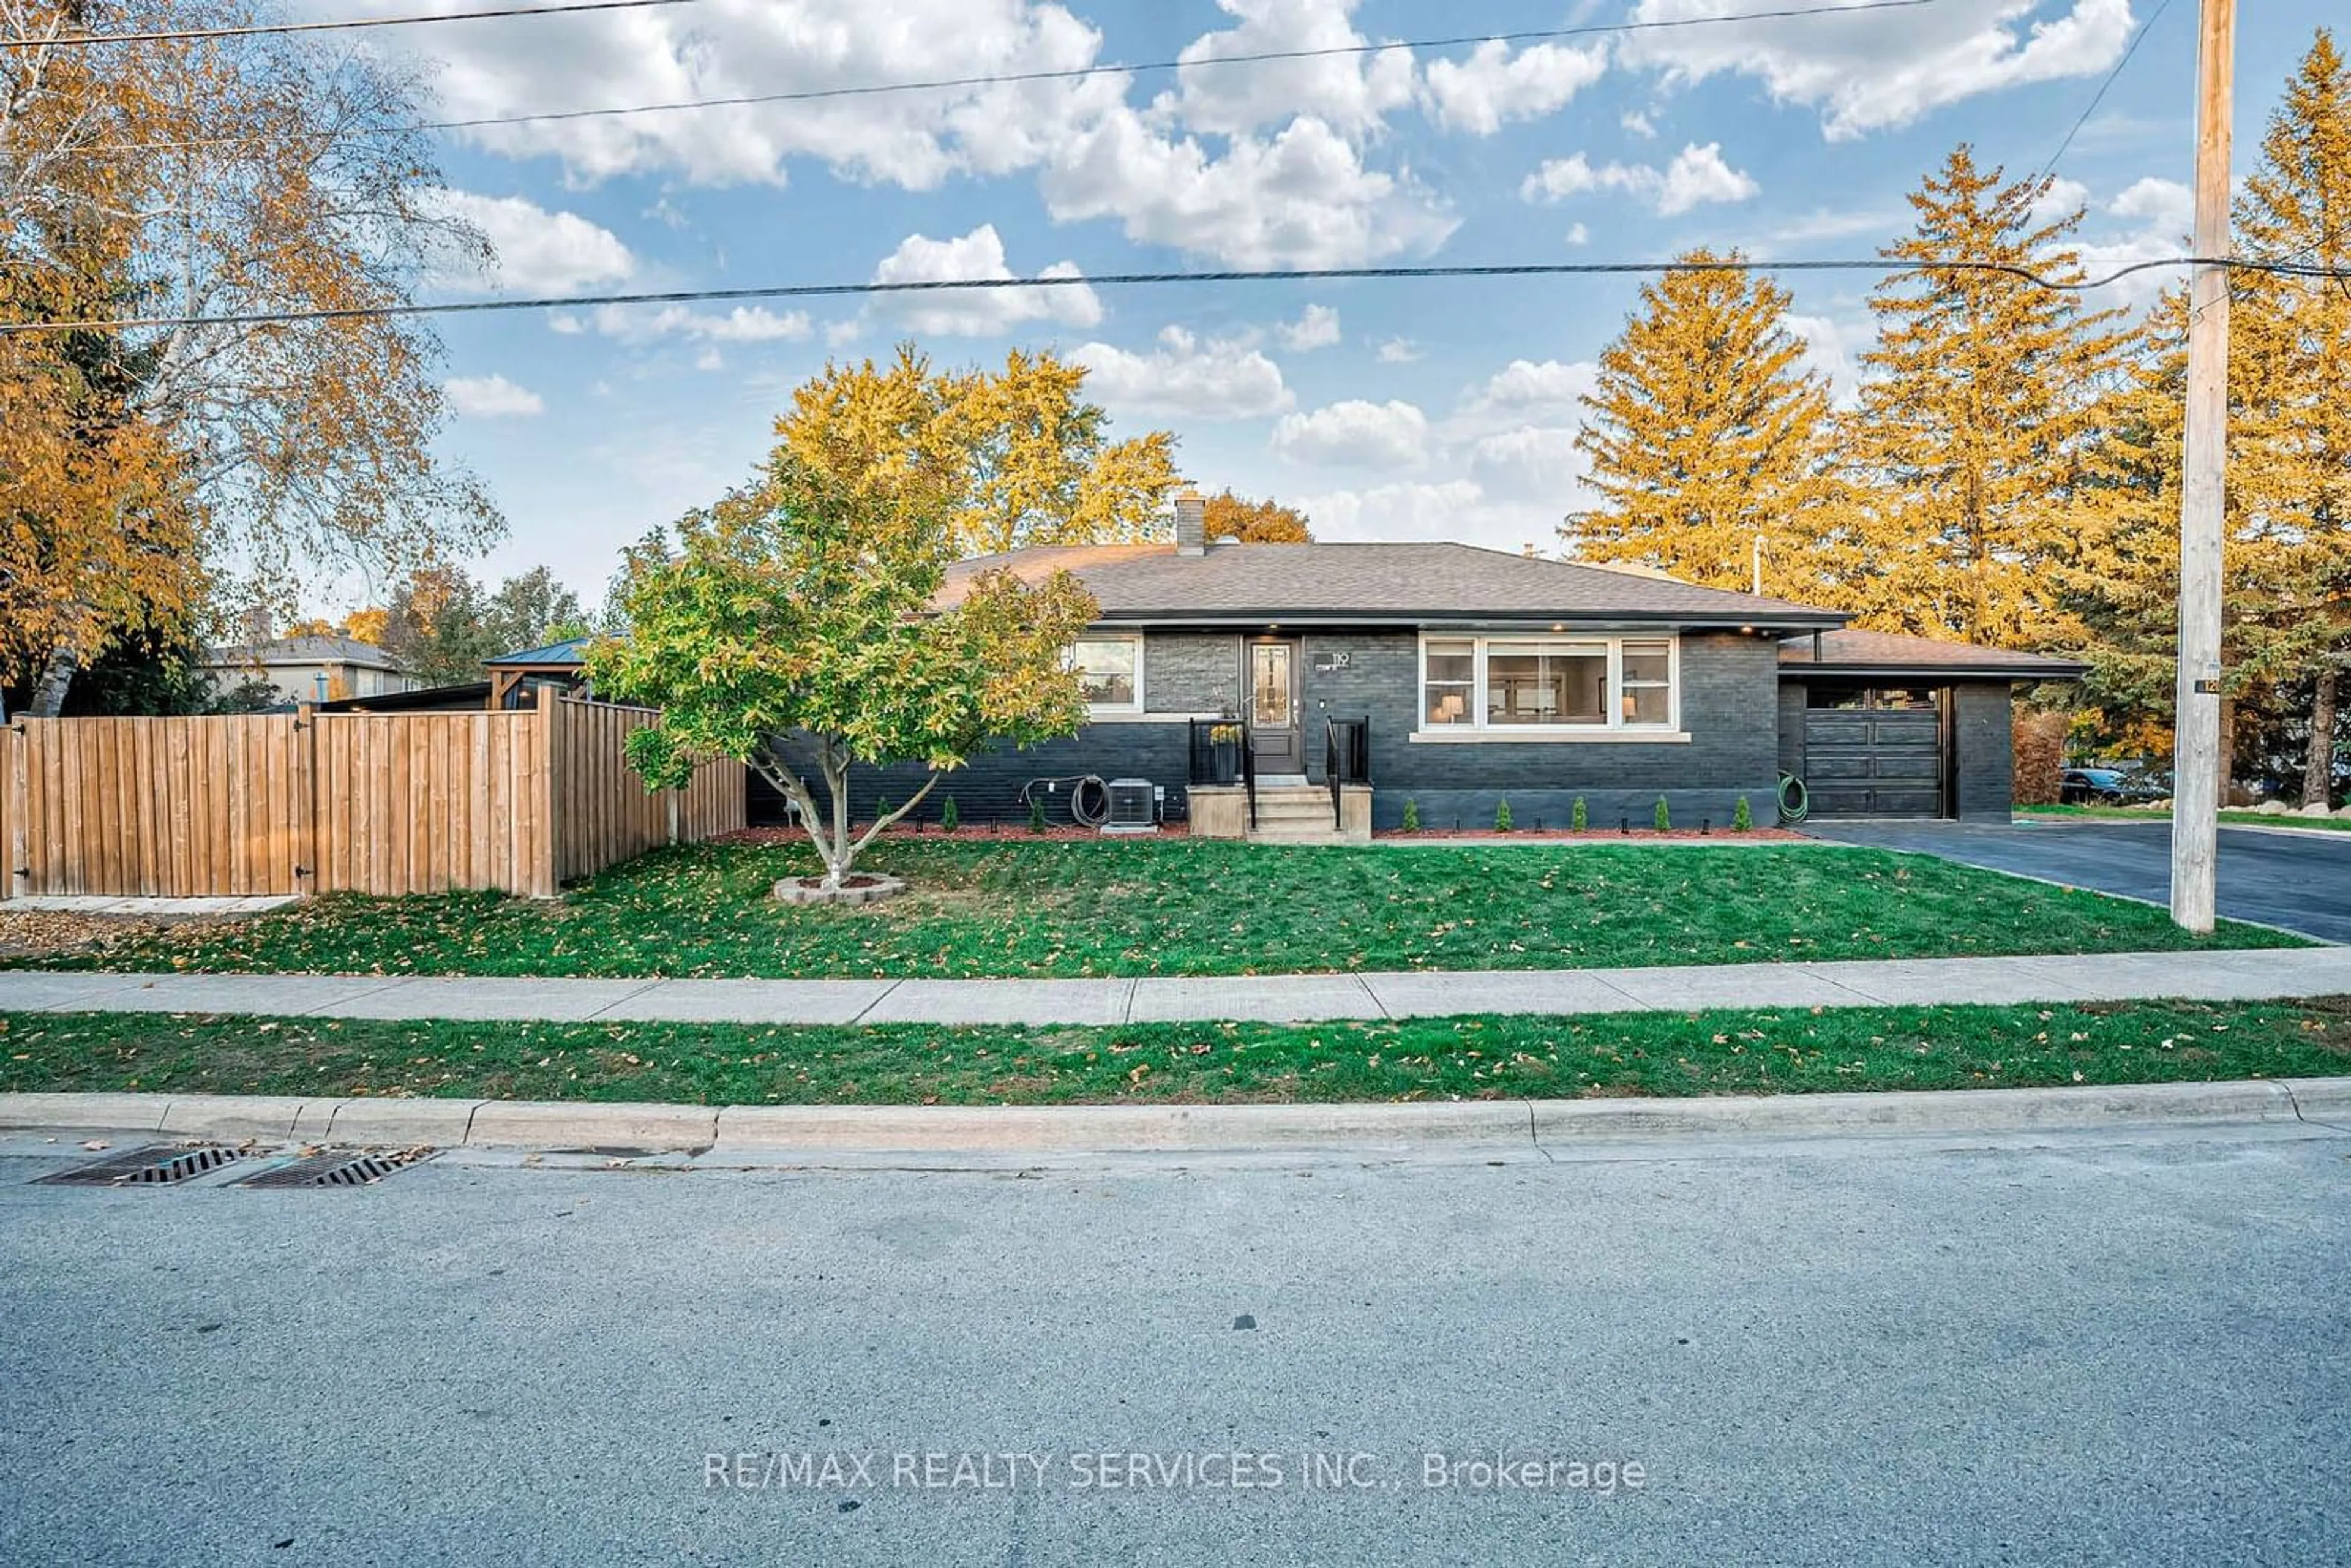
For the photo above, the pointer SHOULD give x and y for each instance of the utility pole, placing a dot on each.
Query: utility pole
(2199, 773)
(1757, 560)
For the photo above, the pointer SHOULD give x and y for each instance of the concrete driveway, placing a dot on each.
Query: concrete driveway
(2300, 880)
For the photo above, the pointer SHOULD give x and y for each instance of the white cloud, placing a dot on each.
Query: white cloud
(1355, 434)
(710, 359)
(1219, 380)
(1883, 70)
(1525, 385)
(540, 252)
(1696, 175)
(649, 323)
(1303, 198)
(1399, 511)
(1635, 123)
(1317, 328)
(976, 313)
(1833, 349)
(1398, 351)
(1481, 93)
(1532, 463)
(1578, 235)
(1351, 92)
(491, 397)
(2162, 205)
(2062, 197)
(916, 140)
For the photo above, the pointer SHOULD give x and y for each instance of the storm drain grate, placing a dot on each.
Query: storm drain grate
(158, 1164)
(345, 1169)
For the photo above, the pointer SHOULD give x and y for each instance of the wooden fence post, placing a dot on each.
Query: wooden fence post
(547, 868)
(14, 804)
(304, 786)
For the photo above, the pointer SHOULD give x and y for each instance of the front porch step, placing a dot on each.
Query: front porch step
(1300, 814)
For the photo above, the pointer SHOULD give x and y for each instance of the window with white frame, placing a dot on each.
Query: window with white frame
(1558, 684)
(1110, 673)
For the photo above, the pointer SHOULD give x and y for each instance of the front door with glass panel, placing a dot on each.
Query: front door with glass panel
(1273, 707)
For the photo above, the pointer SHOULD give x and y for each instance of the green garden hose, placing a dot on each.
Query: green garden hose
(1795, 804)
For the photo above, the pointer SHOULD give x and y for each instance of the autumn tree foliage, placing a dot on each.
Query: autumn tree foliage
(1975, 405)
(1041, 467)
(2292, 337)
(1256, 522)
(1703, 433)
(797, 626)
(214, 178)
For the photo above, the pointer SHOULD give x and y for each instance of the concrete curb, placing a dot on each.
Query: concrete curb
(1139, 1129)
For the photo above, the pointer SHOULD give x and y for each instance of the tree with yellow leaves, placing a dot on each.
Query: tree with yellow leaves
(207, 178)
(1042, 468)
(1704, 434)
(1256, 522)
(2290, 347)
(1975, 406)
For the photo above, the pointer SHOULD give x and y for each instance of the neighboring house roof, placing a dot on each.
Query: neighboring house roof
(301, 651)
(1412, 583)
(1876, 653)
(566, 654)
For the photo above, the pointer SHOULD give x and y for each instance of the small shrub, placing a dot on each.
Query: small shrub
(950, 819)
(1411, 815)
(1502, 817)
(1581, 819)
(1036, 815)
(1665, 818)
(1742, 820)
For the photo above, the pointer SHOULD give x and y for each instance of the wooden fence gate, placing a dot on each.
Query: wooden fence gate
(520, 800)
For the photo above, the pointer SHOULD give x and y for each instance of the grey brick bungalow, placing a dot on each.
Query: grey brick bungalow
(1456, 677)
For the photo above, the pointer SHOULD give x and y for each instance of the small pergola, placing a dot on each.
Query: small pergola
(561, 663)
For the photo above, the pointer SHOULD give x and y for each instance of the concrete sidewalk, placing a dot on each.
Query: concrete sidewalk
(2109, 977)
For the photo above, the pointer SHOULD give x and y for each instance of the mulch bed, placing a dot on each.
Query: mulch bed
(969, 830)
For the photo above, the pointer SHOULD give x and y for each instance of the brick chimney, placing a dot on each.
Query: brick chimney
(1191, 522)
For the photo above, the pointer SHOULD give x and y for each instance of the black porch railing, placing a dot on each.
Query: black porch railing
(1346, 760)
(1224, 762)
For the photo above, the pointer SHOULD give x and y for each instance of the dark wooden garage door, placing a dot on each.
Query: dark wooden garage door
(1871, 752)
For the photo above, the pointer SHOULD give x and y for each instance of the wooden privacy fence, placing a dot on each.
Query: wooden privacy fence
(520, 800)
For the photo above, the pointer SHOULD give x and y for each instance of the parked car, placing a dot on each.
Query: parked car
(2102, 787)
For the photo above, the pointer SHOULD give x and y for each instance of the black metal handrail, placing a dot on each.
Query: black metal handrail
(1346, 760)
(1202, 762)
(1249, 769)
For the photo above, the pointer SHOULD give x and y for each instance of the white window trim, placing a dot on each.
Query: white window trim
(1613, 728)
(1115, 710)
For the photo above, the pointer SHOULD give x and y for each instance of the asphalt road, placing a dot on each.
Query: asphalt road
(2300, 881)
(2110, 1349)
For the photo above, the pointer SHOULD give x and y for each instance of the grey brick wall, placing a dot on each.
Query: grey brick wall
(1727, 707)
(1791, 728)
(1192, 672)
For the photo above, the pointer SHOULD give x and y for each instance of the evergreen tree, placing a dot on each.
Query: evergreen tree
(1976, 405)
(1704, 432)
(2291, 339)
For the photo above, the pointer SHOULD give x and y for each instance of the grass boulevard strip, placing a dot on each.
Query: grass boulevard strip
(1761, 1051)
(1079, 909)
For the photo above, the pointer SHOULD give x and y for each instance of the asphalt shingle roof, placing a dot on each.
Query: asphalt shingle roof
(1374, 581)
(1857, 650)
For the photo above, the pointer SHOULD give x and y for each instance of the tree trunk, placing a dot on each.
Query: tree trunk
(57, 679)
(2318, 772)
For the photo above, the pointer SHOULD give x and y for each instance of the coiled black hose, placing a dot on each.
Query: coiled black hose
(1089, 797)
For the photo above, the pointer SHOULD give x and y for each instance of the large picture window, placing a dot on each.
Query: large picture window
(1548, 684)
(1110, 673)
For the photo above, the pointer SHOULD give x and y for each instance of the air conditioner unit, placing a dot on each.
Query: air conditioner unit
(1134, 807)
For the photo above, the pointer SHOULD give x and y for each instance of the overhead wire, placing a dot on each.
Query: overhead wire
(1146, 279)
(332, 25)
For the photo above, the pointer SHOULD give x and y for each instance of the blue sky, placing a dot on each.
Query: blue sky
(1438, 409)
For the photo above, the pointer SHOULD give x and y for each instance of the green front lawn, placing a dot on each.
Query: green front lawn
(1196, 907)
(1776, 1050)
(2237, 819)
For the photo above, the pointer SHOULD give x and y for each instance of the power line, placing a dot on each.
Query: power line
(1144, 280)
(2100, 97)
(1072, 73)
(77, 40)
